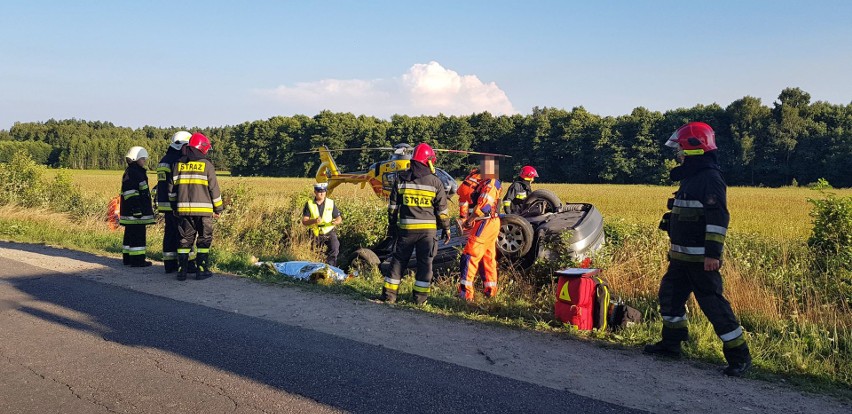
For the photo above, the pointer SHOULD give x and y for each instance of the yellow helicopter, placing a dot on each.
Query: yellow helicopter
(381, 175)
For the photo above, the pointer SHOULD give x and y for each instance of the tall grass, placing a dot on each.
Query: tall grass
(798, 321)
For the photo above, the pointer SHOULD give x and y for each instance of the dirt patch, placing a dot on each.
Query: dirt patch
(624, 377)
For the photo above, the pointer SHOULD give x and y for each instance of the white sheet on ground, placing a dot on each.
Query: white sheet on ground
(306, 270)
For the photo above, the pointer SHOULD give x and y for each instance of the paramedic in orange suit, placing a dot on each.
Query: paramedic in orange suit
(481, 249)
(466, 190)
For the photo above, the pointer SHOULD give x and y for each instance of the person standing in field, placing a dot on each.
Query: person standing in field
(697, 225)
(166, 197)
(136, 210)
(197, 202)
(520, 189)
(322, 215)
(417, 209)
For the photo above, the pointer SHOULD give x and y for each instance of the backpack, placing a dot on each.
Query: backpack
(622, 316)
(582, 299)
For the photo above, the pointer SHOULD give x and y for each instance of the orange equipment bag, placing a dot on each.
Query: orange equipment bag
(113, 212)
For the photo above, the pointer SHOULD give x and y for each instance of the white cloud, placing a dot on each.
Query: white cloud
(425, 89)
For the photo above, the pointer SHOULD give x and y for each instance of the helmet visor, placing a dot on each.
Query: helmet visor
(672, 142)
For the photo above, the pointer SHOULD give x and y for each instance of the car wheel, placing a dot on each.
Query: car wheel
(516, 237)
(544, 200)
(363, 259)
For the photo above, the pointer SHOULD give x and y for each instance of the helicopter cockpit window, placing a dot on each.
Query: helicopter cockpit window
(388, 180)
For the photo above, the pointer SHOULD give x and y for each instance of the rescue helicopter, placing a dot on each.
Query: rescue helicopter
(381, 175)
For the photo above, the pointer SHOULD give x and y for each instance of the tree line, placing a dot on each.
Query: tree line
(792, 141)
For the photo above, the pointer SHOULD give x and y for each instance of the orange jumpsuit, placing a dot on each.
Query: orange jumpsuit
(481, 248)
(466, 190)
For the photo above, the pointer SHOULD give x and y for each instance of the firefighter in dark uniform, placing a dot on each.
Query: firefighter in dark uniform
(697, 224)
(136, 210)
(417, 210)
(322, 215)
(197, 202)
(516, 195)
(165, 198)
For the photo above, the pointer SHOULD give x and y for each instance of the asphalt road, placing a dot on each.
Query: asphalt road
(76, 346)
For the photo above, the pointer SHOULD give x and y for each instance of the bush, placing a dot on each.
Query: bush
(22, 183)
(831, 238)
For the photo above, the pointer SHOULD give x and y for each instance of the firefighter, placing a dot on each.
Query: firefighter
(322, 215)
(696, 226)
(520, 189)
(165, 198)
(465, 190)
(416, 211)
(481, 248)
(197, 202)
(136, 210)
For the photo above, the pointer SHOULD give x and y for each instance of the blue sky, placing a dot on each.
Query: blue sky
(211, 63)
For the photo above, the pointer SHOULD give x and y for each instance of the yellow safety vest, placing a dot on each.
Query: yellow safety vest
(326, 225)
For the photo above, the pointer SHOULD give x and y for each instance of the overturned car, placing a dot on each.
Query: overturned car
(524, 237)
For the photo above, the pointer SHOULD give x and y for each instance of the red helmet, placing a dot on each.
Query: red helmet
(199, 142)
(694, 138)
(528, 172)
(424, 153)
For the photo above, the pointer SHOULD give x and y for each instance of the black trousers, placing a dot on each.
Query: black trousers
(133, 244)
(171, 238)
(332, 246)
(683, 279)
(426, 247)
(196, 230)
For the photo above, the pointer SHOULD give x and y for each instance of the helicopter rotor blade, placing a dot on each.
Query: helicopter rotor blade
(349, 149)
(489, 154)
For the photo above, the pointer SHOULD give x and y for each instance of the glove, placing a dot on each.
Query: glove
(446, 236)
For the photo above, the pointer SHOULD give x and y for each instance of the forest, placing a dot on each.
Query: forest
(790, 142)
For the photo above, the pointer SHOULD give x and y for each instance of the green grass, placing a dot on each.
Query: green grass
(797, 325)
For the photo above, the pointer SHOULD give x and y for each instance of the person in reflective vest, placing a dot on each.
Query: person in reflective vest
(481, 248)
(520, 189)
(197, 202)
(321, 215)
(165, 197)
(697, 225)
(136, 211)
(417, 209)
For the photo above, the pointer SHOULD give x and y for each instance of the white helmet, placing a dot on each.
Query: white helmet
(179, 139)
(136, 153)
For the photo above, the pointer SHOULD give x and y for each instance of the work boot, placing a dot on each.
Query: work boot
(420, 298)
(739, 360)
(202, 261)
(141, 263)
(125, 259)
(192, 266)
(388, 296)
(170, 266)
(183, 263)
(665, 349)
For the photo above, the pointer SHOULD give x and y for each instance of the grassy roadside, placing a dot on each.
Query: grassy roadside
(797, 319)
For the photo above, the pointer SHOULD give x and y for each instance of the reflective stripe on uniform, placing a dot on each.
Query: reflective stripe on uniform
(688, 203)
(423, 287)
(412, 186)
(489, 284)
(184, 250)
(217, 202)
(202, 250)
(135, 251)
(730, 336)
(521, 196)
(169, 255)
(392, 284)
(143, 185)
(688, 250)
(416, 224)
(716, 229)
(675, 322)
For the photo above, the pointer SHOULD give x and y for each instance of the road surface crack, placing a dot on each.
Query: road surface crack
(219, 390)
(68, 386)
